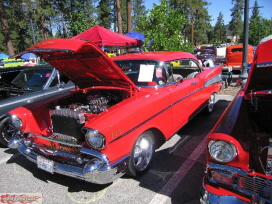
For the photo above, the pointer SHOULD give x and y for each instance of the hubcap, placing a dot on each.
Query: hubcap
(9, 131)
(143, 152)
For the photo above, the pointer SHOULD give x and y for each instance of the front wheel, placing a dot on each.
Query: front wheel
(210, 104)
(7, 131)
(141, 154)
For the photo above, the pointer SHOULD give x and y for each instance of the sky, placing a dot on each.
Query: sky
(224, 6)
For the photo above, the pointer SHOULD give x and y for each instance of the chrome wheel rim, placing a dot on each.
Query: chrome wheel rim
(9, 131)
(143, 152)
(211, 103)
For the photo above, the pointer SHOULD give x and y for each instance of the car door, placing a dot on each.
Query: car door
(184, 96)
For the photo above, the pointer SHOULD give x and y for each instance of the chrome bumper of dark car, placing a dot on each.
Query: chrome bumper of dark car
(239, 186)
(207, 197)
(98, 171)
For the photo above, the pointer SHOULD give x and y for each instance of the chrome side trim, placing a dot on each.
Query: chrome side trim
(213, 80)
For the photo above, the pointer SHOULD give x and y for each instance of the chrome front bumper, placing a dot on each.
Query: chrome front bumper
(97, 171)
(207, 197)
(239, 187)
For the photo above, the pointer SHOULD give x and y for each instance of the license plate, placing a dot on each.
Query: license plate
(45, 164)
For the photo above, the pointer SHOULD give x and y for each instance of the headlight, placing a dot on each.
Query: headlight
(95, 139)
(222, 151)
(17, 122)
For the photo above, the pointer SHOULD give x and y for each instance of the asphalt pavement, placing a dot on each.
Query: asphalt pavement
(174, 178)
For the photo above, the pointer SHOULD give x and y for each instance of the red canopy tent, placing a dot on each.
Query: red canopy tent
(104, 37)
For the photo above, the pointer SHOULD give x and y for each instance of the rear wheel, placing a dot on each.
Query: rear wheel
(7, 131)
(141, 154)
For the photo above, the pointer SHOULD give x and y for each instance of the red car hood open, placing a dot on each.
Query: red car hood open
(260, 74)
(82, 62)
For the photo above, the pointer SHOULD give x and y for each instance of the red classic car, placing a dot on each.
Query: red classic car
(239, 148)
(234, 56)
(124, 108)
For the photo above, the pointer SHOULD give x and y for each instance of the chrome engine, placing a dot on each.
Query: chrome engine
(95, 104)
(69, 115)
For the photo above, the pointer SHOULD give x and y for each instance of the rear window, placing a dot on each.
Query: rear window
(143, 72)
(237, 50)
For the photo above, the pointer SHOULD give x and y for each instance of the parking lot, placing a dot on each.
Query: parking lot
(175, 175)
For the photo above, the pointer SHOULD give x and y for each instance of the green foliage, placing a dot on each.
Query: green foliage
(162, 29)
(258, 26)
(236, 23)
(104, 13)
(168, 26)
(80, 16)
(80, 23)
(139, 12)
(197, 20)
(220, 29)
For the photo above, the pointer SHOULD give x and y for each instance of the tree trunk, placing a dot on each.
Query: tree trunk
(192, 33)
(119, 17)
(5, 27)
(44, 29)
(192, 29)
(129, 20)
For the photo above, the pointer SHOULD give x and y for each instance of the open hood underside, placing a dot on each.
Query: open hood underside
(82, 62)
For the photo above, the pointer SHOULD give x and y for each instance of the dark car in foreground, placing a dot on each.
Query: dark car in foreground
(31, 84)
(239, 147)
(8, 74)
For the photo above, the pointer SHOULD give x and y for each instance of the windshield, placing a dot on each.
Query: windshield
(144, 72)
(33, 78)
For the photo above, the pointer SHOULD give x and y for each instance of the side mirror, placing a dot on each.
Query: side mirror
(179, 79)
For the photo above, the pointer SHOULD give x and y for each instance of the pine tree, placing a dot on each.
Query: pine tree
(254, 26)
(236, 23)
(138, 11)
(80, 15)
(5, 28)
(104, 13)
(220, 29)
(197, 20)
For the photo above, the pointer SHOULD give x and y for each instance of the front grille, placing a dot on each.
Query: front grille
(67, 122)
(62, 147)
(241, 182)
(54, 144)
(256, 185)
